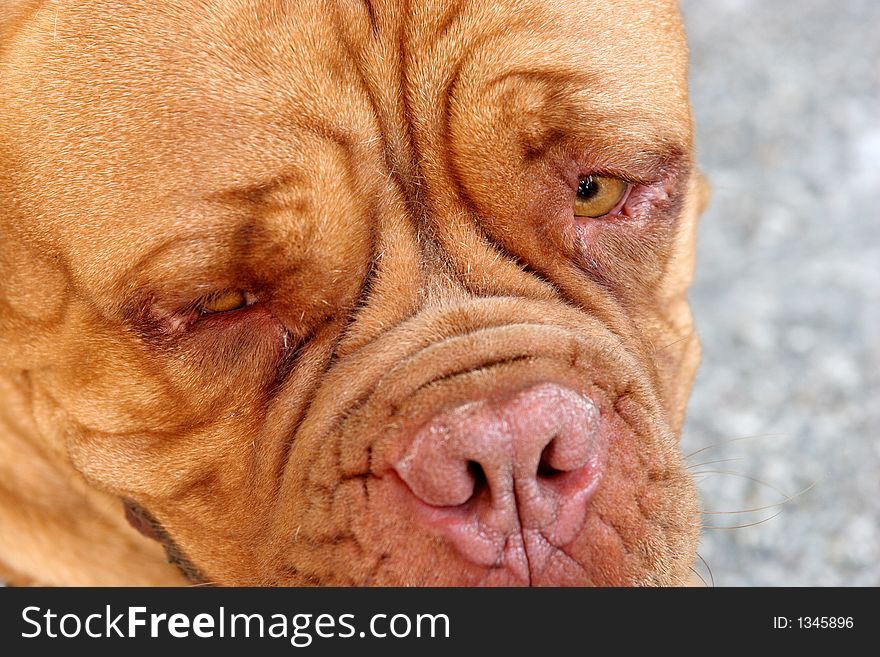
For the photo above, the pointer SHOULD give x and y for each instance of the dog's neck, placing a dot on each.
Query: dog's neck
(54, 527)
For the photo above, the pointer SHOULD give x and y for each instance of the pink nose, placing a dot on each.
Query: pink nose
(524, 461)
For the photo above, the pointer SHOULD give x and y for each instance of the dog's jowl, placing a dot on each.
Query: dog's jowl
(343, 292)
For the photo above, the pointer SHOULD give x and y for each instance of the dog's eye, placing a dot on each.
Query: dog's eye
(599, 195)
(223, 302)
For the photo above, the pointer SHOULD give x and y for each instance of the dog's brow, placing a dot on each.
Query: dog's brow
(259, 194)
(262, 192)
(648, 164)
(558, 118)
(137, 274)
(556, 78)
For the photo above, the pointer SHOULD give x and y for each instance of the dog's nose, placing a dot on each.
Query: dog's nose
(527, 459)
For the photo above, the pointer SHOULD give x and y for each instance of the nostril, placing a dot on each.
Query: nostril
(478, 476)
(523, 461)
(545, 469)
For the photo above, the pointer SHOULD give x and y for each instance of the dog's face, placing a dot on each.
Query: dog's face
(360, 292)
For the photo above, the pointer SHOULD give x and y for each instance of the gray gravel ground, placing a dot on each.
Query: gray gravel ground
(787, 297)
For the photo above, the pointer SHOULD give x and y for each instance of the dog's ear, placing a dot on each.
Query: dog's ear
(703, 191)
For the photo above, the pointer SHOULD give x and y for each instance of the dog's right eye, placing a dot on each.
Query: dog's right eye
(598, 196)
(225, 302)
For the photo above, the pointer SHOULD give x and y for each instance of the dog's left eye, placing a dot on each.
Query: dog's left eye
(224, 302)
(598, 196)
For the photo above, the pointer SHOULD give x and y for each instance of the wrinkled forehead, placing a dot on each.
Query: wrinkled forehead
(209, 65)
(207, 96)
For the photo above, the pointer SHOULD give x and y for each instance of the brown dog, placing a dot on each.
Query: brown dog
(345, 292)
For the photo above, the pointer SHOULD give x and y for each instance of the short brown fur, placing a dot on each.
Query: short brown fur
(384, 177)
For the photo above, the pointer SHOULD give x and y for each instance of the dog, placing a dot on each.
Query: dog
(345, 292)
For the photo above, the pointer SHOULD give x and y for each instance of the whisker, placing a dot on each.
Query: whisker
(694, 571)
(769, 506)
(673, 343)
(729, 441)
(744, 476)
(750, 524)
(698, 465)
(711, 576)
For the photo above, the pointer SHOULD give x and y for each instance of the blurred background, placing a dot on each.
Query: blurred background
(786, 99)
